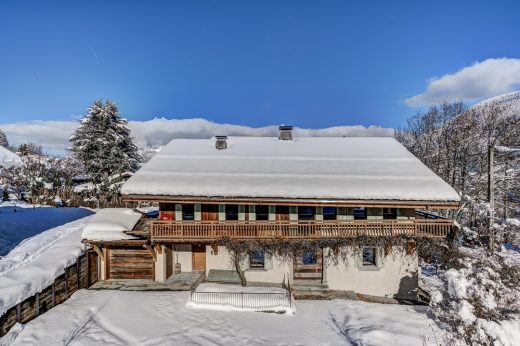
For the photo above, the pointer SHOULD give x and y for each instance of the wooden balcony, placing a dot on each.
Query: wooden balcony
(185, 231)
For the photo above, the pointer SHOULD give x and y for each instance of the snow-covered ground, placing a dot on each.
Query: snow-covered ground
(35, 263)
(162, 318)
(26, 222)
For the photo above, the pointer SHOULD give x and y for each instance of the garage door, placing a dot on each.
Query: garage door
(130, 263)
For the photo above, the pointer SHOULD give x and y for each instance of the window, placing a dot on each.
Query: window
(360, 213)
(257, 259)
(305, 213)
(262, 212)
(389, 213)
(231, 212)
(309, 258)
(330, 213)
(369, 256)
(188, 212)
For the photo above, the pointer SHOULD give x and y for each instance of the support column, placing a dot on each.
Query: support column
(160, 264)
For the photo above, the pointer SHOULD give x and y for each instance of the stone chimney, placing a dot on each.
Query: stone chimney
(285, 133)
(221, 142)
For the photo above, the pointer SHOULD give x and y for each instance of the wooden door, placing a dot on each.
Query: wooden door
(198, 255)
(308, 266)
(209, 212)
(282, 213)
(130, 263)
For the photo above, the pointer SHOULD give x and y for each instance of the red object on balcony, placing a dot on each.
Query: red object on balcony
(167, 215)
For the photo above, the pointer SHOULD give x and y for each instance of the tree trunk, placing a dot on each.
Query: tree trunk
(239, 270)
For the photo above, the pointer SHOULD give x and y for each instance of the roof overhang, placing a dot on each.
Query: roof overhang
(294, 201)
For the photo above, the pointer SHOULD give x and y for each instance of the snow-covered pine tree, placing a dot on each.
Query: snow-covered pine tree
(3, 140)
(103, 142)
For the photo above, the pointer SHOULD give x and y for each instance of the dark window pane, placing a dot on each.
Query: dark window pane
(188, 212)
(360, 213)
(330, 213)
(369, 256)
(231, 212)
(309, 258)
(389, 213)
(306, 213)
(262, 212)
(256, 259)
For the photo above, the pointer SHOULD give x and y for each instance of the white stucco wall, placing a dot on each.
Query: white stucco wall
(222, 260)
(160, 266)
(182, 254)
(382, 282)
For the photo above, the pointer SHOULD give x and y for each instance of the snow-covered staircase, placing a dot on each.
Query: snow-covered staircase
(309, 289)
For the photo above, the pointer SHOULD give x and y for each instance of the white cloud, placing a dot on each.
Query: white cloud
(481, 80)
(54, 135)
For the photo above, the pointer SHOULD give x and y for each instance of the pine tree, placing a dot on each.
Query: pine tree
(3, 140)
(103, 142)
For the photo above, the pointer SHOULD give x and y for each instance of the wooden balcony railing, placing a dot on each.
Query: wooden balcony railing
(202, 230)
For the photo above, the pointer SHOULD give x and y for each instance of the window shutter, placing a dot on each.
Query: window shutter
(178, 212)
(268, 260)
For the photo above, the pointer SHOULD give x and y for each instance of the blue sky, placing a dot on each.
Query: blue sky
(307, 63)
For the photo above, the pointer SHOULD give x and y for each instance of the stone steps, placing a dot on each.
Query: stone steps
(309, 289)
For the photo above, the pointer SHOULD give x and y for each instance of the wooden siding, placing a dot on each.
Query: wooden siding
(130, 263)
(81, 274)
(178, 231)
(209, 212)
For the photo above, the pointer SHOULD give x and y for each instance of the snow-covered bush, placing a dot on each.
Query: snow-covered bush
(480, 302)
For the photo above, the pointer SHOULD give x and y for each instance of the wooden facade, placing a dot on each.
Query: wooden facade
(129, 263)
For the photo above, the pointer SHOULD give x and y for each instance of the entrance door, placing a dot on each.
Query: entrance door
(308, 266)
(198, 255)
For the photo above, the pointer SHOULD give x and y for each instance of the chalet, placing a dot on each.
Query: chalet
(287, 188)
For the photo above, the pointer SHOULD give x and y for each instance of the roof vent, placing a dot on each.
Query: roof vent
(285, 133)
(221, 142)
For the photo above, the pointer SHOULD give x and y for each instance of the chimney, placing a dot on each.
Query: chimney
(285, 133)
(221, 142)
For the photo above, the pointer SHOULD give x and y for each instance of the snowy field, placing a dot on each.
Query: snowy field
(27, 222)
(162, 318)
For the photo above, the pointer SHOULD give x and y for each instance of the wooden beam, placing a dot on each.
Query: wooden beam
(151, 250)
(97, 250)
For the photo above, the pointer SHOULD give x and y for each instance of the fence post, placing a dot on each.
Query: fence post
(18, 312)
(242, 296)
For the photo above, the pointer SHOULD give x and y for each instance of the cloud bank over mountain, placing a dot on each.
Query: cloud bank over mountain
(54, 135)
(481, 80)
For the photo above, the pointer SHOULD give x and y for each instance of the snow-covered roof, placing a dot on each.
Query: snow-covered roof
(110, 224)
(339, 168)
(8, 158)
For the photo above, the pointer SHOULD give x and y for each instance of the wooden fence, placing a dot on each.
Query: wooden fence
(81, 274)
